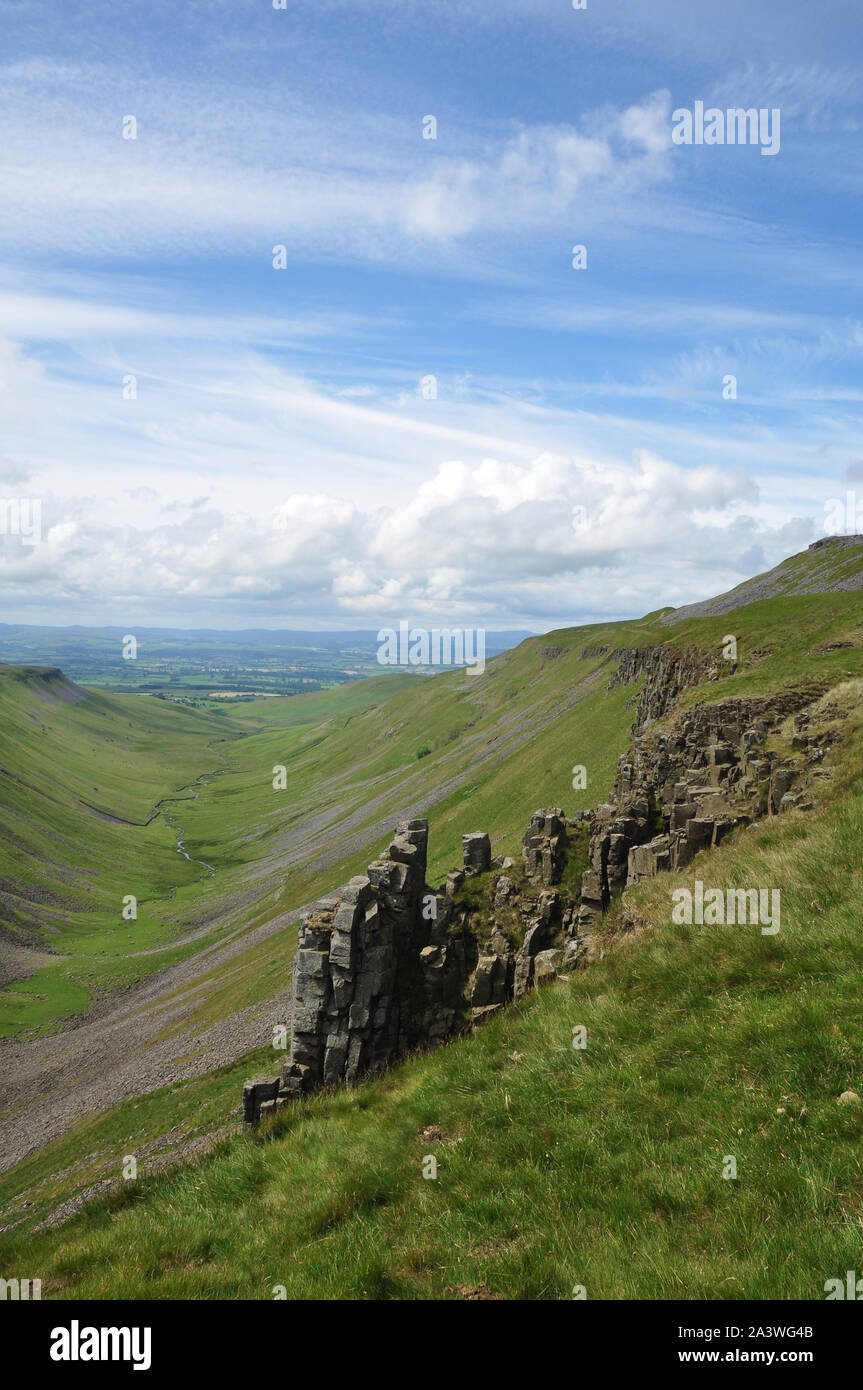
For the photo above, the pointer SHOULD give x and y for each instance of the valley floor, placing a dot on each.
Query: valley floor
(119, 1050)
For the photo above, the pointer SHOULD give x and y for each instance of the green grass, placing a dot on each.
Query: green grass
(809, 569)
(94, 1148)
(81, 777)
(500, 745)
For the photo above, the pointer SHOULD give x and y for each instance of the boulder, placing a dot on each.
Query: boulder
(489, 985)
(545, 966)
(454, 881)
(504, 891)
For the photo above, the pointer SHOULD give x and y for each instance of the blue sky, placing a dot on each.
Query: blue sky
(280, 463)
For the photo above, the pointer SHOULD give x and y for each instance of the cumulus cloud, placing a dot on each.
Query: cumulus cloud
(554, 540)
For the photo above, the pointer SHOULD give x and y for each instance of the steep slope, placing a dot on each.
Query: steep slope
(831, 565)
(259, 852)
(81, 776)
(224, 976)
(487, 747)
(95, 791)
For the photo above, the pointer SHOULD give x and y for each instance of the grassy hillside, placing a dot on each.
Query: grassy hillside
(472, 752)
(80, 776)
(602, 1167)
(554, 1166)
(356, 762)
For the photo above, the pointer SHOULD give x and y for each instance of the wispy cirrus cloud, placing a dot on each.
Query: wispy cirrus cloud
(205, 174)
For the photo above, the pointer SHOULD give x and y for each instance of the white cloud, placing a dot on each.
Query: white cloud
(77, 318)
(490, 543)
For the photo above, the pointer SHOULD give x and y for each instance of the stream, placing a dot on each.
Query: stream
(202, 780)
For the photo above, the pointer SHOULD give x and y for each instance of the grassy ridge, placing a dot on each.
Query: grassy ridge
(818, 569)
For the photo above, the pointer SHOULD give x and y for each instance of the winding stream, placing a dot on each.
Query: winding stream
(202, 780)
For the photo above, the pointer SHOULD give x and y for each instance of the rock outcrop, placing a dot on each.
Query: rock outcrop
(684, 788)
(387, 964)
(374, 974)
(476, 851)
(544, 847)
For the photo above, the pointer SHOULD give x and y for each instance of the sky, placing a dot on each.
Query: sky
(293, 331)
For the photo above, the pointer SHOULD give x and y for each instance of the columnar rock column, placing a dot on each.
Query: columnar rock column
(358, 975)
(476, 850)
(544, 846)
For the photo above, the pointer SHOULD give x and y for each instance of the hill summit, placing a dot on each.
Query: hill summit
(831, 565)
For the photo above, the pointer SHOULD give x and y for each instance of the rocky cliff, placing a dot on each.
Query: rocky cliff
(683, 787)
(389, 964)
